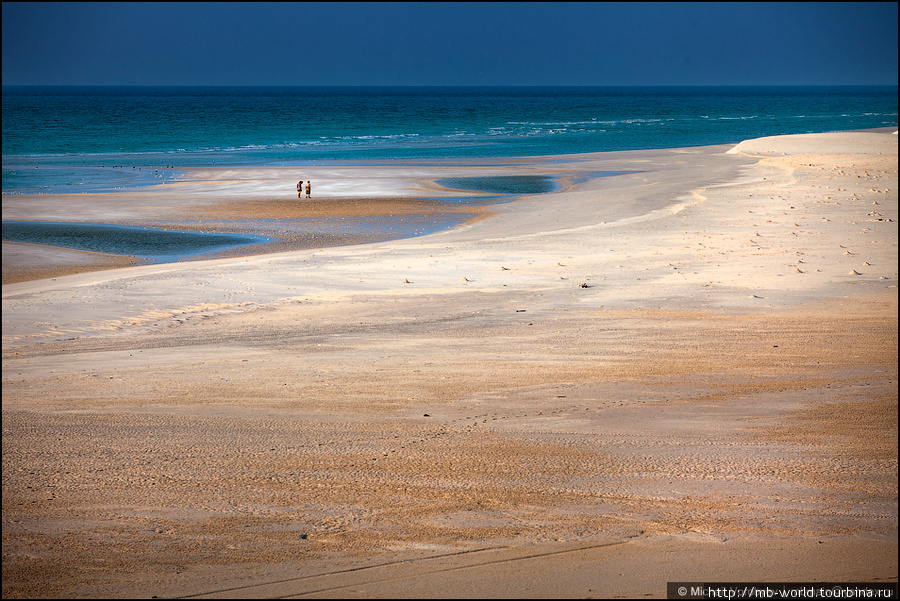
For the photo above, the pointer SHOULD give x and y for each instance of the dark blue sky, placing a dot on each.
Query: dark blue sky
(450, 44)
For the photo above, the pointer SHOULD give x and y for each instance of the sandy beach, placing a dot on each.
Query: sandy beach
(686, 372)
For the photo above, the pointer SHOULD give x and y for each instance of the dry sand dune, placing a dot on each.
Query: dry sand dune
(686, 372)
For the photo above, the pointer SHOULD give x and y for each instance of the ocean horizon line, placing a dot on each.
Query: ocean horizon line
(457, 87)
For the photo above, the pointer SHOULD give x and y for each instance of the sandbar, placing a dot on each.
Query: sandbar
(685, 372)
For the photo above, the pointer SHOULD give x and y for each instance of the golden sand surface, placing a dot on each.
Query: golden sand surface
(685, 373)
(26, 262)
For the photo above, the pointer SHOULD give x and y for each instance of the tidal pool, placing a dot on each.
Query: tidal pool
(156, 244)
(502, 184)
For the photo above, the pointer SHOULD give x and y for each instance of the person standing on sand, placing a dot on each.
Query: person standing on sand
(307, 188)
(300, 189)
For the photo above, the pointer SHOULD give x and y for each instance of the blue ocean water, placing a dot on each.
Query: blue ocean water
(89, 138)
(75, 139)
